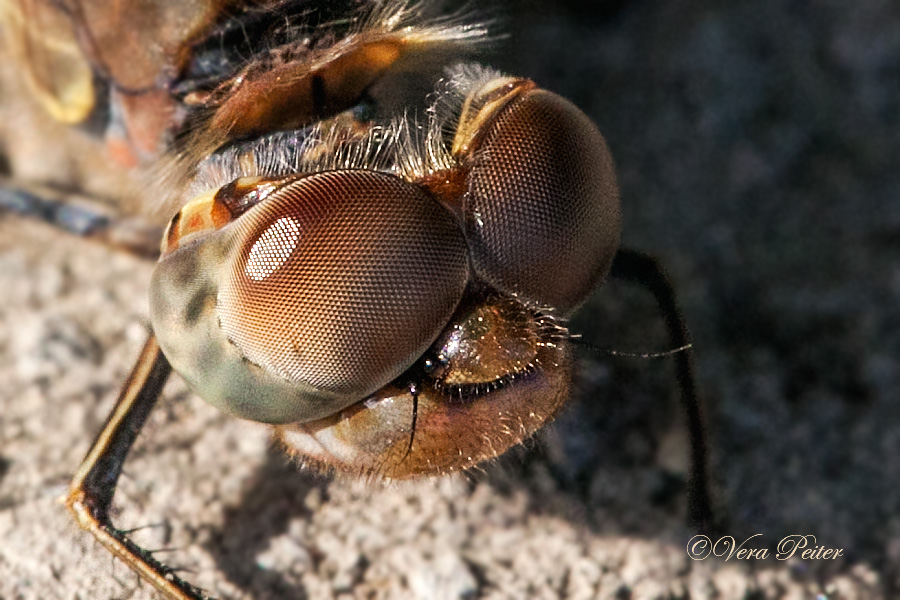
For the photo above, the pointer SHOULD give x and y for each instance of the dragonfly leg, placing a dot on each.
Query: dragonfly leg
(81, 216)
(645, 270)
(94, 484)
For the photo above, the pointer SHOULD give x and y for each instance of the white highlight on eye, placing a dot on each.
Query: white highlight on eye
(272, 248)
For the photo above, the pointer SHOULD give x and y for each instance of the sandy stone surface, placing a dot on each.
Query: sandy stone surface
(754, 143)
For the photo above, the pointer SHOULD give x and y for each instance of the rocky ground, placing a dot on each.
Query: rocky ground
(753, 140)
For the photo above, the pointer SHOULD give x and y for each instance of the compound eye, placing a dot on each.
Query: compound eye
(320, 294)
(542, 213)
(342, 280)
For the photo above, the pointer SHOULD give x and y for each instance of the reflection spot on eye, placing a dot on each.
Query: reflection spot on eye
(272, 248)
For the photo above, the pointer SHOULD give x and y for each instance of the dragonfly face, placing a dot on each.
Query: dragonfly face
(389, 294)
(332, 297)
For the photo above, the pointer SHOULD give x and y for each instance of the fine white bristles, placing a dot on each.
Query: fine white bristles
(404, 147)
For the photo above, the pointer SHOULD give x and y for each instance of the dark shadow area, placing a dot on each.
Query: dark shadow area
(5, 168)
(6, 501)
(273, 497)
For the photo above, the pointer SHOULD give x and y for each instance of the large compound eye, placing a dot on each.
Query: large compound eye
(542, 210)
(342, 280)
(316, 297)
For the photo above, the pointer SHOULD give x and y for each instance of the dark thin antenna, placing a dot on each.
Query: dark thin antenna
(414, 390)
(577, 339)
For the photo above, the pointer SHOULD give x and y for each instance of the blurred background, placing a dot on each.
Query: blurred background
(755, 142)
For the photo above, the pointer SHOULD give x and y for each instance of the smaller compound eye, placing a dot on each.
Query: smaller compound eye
(332, 286)
(542, 211)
